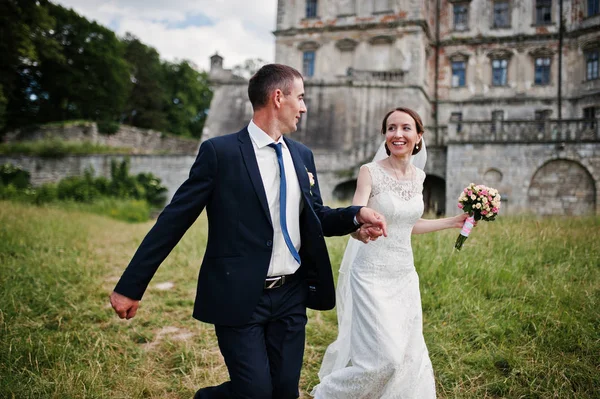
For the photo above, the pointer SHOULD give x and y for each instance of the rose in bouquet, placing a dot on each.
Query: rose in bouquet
(481, 203)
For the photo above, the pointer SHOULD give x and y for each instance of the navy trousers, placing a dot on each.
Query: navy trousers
(264, 356)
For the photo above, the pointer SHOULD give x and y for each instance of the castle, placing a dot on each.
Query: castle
(509, 91)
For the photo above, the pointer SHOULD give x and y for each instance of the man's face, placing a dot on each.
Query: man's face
(292, 107)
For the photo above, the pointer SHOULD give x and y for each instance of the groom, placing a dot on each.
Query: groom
(266, 259)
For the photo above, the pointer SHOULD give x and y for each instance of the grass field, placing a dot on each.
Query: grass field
(516, 314)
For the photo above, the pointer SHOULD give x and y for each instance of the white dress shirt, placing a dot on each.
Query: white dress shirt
(282, 261)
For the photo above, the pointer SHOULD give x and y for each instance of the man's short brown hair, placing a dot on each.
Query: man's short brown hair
(268, 78)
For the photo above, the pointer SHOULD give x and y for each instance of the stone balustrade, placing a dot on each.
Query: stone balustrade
(525, 131)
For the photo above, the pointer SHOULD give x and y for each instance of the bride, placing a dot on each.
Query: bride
(380, 351)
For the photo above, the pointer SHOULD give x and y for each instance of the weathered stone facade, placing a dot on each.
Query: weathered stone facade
(502, 86)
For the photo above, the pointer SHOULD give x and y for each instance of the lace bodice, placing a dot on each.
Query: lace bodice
(383, 182)
(401, 203)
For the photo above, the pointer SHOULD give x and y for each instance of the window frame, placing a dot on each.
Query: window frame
(590, 121)
(465, 25)
(594, 74)
(500, 60)
(537, 11)
(508, 14)
(545, 69)
(457, 117)
(464, 73)
(596, 8)
(311, 9)
(308, 70)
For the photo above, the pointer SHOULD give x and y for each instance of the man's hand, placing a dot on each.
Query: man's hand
(373, 222)
(125, 307)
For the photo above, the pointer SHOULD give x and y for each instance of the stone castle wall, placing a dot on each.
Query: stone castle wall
(140, 140)
(171, 169)
(536, 178)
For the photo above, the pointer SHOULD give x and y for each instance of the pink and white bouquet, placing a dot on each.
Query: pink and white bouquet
(481, 203)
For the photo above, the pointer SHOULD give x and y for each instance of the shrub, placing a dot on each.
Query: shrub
(45, 194)
(155, 194)
(15, 176)
(108, 127)
(123, 196)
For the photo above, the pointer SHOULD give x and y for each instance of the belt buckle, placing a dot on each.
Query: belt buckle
(274, 282)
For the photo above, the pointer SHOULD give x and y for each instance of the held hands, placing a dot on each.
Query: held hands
(125, 307)
(373, 225)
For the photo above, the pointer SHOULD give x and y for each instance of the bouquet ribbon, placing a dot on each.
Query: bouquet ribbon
(467, 226)
(464, 232)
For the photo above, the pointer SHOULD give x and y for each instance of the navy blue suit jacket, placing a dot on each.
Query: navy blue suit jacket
(225, 179)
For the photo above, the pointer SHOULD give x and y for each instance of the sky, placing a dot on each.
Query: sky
(190, 29)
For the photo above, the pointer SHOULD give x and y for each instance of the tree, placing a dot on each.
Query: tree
(2, 108)
(24, 25)
(148, 99)
(92, 80)
(190, 97)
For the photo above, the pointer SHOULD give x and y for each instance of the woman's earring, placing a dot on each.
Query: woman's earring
(417, 146)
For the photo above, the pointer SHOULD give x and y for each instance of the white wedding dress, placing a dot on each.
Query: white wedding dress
(380, 351)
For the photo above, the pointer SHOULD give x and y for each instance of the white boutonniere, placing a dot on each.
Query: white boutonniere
(311, 179)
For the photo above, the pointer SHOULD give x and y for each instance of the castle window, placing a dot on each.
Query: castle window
(499, 72)
(461, 16)
(311, 8)
(593, 7)
(308, 63)
(501, 14)
(543, 12)
(456, 117)
(589, 114)
(591, 64)
(542, 71)
(458, 73)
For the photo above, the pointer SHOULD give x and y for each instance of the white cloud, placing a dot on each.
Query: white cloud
(239, 29)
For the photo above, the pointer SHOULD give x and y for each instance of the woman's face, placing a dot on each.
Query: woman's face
(401, 134)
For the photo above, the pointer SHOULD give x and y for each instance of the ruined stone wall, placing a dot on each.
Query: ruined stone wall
(171, 169)
(535, 178)
(140, 140)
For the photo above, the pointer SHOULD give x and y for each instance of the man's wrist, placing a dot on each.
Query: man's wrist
(356, 222)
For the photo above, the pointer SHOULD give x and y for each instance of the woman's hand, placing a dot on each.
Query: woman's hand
(458, 220)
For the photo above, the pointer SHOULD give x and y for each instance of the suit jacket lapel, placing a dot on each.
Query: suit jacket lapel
(301, 171)
(249, 157)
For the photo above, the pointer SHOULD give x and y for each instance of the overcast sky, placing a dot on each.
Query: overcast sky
(190, 29)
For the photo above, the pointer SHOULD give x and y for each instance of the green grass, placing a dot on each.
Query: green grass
(516, 314)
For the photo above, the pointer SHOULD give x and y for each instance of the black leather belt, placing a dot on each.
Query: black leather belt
(278, 281)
